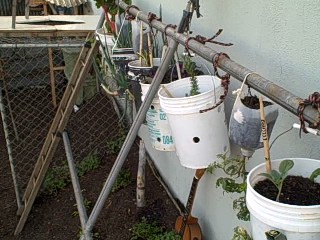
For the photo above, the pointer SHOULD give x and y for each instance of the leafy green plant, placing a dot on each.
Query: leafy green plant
(191, 69)
(234, 168)
(89, 163)
(56, 179)
(87, 204)
(151, 231)
(122, 181)
(278, 177)
(58, 176)
(114, 145)
(239, 233)
(315, 174)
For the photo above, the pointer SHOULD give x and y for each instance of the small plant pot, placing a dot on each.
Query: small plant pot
(245, 122)
(295, 222)
(199, 130)
(142, 69)
(106, 39)
(137, 74)
(158, 124)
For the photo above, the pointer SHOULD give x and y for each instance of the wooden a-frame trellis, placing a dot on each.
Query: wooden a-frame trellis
(58, 125)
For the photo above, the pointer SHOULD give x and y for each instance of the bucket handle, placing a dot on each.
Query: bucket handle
(239, 90)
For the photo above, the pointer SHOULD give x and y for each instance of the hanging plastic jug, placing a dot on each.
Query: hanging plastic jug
(245, 122)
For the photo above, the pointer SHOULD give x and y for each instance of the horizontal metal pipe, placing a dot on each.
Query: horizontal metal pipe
(40, 45)
(279, 95)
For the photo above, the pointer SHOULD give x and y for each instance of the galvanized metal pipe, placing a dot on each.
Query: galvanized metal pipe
(40, 45)
(279, 95)
(9, 149)
(14, 13)
(76, 186)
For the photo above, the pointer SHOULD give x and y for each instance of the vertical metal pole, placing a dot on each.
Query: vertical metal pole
(27, 9)
(136, 125)
(14, 13)
(12, 165)
(76, 186)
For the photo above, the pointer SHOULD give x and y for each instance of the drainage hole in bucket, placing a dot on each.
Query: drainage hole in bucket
(152, 107)
(159, 139)
(196, 140)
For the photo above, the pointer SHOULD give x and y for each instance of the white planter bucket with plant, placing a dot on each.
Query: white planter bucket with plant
(198, 127)
(158, 124)
(294, 221)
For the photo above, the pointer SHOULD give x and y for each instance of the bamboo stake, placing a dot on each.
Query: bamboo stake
(176, 59)
(265, 137)
(141, 43)
(150, 50)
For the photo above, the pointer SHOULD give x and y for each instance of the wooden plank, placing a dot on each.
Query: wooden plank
(59, 124)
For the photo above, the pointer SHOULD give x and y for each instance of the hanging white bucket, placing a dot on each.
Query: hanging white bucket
(200, 133)
(158, 125)
(295, 222)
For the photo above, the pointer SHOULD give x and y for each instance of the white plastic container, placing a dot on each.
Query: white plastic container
(106, 39)
(158, 125)
(200, 133)
(295, 222)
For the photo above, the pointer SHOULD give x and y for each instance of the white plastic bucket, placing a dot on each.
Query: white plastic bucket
(158, 125)
(106, 39)
(295, 222)
(200, 133)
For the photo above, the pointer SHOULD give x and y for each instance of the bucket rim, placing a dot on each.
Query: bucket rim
(187, 79)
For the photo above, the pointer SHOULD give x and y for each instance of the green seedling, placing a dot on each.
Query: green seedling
(314, 174)
(191, 69)
(278, 177)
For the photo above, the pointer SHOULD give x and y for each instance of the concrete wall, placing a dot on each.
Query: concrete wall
(279, 39)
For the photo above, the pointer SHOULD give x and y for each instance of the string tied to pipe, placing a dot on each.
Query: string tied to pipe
(225, 80)
(314, 101)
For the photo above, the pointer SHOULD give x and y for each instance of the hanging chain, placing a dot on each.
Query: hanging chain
(313, 101)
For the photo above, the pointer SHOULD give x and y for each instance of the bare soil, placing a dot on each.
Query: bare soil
(296, 190)
(52, 216)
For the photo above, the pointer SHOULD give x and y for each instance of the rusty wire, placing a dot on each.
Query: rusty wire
(314, 101)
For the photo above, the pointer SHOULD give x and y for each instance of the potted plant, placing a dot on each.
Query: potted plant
(116, 33)
(198, 125)
(116, 84)
(245, 124)
(282, 201)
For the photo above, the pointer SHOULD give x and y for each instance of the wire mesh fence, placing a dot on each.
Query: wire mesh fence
(34, 73)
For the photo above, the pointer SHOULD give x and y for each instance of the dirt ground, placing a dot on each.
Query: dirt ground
(52, 216)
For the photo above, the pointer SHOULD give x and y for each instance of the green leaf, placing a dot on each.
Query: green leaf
(314, 174)
(285, 166)
(276, 176)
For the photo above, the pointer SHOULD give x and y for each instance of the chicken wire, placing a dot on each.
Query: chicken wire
(29, 100)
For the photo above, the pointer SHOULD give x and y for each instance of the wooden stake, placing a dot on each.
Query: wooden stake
(150, 50)
(141, 43)
(264, 131)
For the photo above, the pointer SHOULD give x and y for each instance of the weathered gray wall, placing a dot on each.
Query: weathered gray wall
(279, 39)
